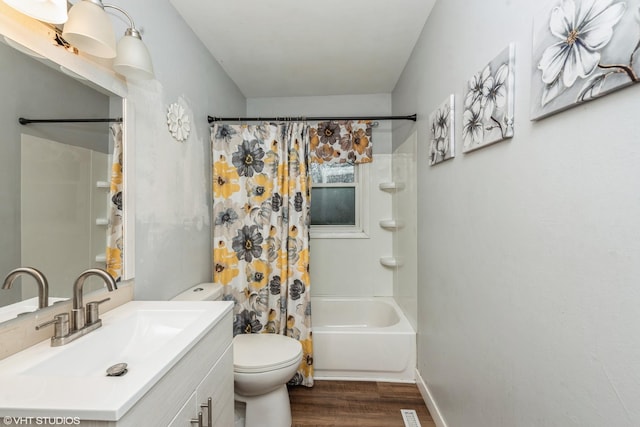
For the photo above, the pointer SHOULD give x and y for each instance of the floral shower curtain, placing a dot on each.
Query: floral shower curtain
(341, 141)
(261, 216)
(114, 227)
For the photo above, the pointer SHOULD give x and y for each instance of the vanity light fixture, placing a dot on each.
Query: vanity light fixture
(89, 28)
(52, 11)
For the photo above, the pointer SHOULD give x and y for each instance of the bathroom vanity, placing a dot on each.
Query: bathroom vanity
(179, 363)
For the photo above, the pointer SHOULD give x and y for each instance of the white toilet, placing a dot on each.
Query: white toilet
(262, 366)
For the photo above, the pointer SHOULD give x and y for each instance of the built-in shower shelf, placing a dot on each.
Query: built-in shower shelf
(392, 262)
(391, 224)
(391, 187)
(103, 184)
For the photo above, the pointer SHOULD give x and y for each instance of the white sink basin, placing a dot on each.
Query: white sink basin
(150, 336)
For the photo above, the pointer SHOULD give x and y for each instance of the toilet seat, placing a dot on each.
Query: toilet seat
(254, 353)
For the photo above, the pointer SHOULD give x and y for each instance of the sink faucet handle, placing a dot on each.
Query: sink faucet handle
(61, 322)
(93, 313)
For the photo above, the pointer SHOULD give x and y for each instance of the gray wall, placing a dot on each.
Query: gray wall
(528, 249)
(173, 179)
(33, 90)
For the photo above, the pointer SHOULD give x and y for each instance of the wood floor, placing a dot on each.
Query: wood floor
(356, 403)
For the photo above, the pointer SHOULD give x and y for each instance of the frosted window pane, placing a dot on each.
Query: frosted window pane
(333, 206)
(328, 173)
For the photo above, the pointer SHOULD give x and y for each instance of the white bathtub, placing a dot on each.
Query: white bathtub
(362, 339)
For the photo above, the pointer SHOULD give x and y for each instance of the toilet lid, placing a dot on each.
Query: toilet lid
(264, 352)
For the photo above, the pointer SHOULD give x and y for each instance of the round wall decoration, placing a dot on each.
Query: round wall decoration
(178, 122)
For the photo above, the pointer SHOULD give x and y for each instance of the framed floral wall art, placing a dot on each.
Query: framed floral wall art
(582, 50)
(442, 146)
(488, 103)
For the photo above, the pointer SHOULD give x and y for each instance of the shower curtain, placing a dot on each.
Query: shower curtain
(261, 219)
(114, 225)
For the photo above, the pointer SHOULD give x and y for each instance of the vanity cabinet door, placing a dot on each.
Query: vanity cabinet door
(218, 385)
(159, 406)
(184, 417)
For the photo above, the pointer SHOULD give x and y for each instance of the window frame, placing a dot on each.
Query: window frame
(361, 229)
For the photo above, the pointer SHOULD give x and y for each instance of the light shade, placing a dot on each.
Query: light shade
(89, 28)
(133, 60)
(52, 11)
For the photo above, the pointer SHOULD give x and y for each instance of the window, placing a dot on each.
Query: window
(337, 197)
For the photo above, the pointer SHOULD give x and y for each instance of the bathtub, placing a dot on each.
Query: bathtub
(362, 339)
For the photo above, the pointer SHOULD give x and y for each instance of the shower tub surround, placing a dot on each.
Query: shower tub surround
(362, 339)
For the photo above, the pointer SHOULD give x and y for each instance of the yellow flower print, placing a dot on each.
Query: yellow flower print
(294, 184)
(259, 188)
(257, 274)
(114, 262)
(303, 266)
(281, 176)
(306, 365)
(314, 140)
(225, 179)
(305, 186)
(116, 177)
(225, 263)
(360, 141)
(281, 265)
(303, 168)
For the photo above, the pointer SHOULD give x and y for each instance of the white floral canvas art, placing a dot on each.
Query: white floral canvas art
(488, 103)
(441, 146)
(582, 50)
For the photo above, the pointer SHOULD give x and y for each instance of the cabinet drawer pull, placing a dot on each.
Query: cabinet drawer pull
(209, 408)
(197, 421)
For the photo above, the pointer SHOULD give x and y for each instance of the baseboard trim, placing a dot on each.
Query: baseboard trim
(429, 401)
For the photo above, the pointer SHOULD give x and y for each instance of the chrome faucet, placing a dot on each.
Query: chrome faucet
(43, 285)
(78, 311)
(80, 324)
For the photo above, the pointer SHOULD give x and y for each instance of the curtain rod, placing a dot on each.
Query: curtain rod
(24, 121)
(302, 118)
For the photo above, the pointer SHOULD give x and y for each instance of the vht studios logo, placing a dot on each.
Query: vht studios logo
(40, 421)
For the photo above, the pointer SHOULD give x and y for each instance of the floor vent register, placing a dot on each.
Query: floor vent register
(410, 418)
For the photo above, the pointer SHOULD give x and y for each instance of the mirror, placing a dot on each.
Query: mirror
(53, 176)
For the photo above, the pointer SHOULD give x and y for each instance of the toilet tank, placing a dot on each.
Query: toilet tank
(201, 292)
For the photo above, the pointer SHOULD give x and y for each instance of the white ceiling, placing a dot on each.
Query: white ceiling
(274, 48)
